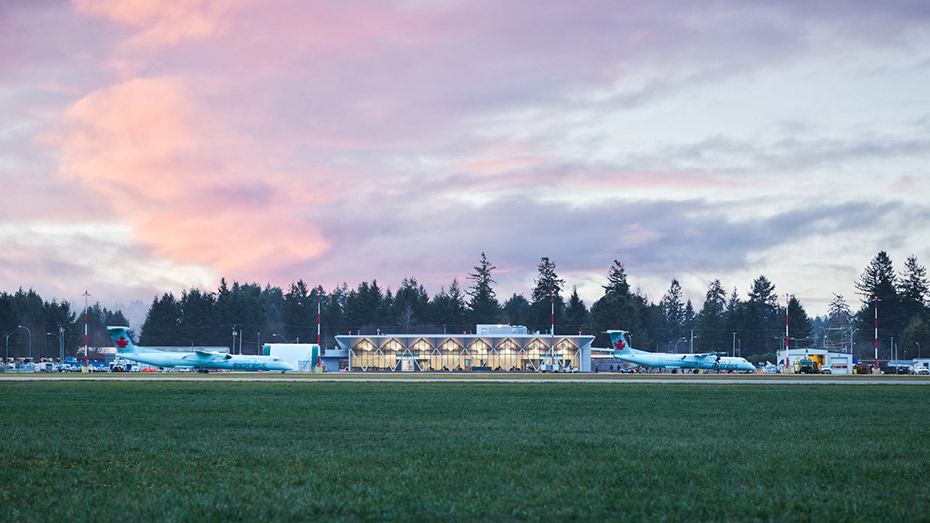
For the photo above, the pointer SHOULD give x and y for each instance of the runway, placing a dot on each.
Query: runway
(462, 378)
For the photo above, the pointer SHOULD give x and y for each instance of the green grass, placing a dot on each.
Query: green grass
(373, 451)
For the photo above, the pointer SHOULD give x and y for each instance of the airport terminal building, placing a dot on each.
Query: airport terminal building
(504, 348)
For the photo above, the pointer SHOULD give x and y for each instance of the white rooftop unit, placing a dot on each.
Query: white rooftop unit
(493, 329)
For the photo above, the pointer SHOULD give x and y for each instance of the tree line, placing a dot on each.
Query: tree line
(244, 316)
(33, 328)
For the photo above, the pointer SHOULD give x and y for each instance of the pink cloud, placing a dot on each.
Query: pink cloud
(504, 159)
(192, 188)
(164, 23)
(905, 184)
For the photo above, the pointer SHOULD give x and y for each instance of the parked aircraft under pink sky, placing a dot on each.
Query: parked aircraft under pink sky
(152, 146)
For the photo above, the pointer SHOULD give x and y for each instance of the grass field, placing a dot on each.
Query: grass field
(150, 450)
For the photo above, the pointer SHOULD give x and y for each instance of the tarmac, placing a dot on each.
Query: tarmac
(479, 378)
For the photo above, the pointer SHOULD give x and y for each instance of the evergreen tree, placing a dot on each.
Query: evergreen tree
(879, 281)
(688, 324)
(297, 312)
(837, 328)
(915, 342)
(364, 306)
(197, 325)
(9, 320)
(619, 309)
(97, 335)
(799, 324)
(673, 312)
(483, 306)
(222, 313)
(48, 322)
(546, 297)
(410, 305)
(651, 322)
(333, 316)
(759, 331)
(616, 281)
(914, 291)
(710, 325)
(31, 312)
(838, 313)
(449, 309)
(114, 318)
(457, 306)
(576, 314)
(737, 321)
(60, 321)
(517, 310)
(763, 293)
(384, 312)
(247, 316)
(272, 299)
(161, 322)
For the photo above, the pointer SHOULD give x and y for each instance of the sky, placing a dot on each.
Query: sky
(150, 147)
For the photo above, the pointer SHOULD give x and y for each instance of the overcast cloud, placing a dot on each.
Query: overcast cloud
(148, 146)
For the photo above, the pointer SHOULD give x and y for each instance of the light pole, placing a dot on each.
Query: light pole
(232, 350)
(6, 358)
(30, 339)
(733, 352)
(691, 343)
(282, 337)
(60, 345)
(915, 343)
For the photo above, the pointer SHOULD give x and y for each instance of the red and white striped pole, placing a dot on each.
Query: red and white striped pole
(86, 294)
(787, 303)
(319, 348)
(876, 334)
(552, 331)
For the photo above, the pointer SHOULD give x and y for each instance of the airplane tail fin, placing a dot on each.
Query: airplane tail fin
(122, 340)
(620, 340)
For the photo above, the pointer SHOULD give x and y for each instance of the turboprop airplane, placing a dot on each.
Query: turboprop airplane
(200, 360)
(706, 361)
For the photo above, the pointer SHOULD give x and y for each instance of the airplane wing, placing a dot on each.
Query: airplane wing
(205, 356)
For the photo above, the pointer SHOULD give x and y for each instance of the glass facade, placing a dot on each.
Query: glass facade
(457, 353)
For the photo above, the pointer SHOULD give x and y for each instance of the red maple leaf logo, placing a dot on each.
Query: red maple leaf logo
(619, 345)
(122, 342)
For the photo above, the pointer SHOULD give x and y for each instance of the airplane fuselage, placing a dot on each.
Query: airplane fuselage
(687, 361)
(705, 361)
(191, 359)
(200, 359)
